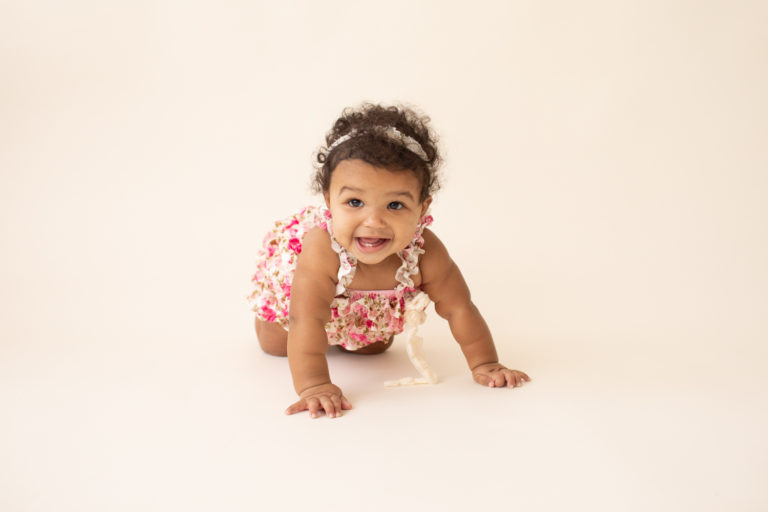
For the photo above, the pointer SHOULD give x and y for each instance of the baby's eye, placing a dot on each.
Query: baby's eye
(396, 205)
(355, 203)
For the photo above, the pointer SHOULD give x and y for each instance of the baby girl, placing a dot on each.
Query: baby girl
(359, 270)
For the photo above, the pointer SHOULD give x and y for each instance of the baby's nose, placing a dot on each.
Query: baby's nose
(374, 219)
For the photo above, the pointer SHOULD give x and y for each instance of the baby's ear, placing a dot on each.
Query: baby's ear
(327, 197)
(425, 205)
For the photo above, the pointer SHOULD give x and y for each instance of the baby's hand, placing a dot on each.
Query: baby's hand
(496, 375)
(327, 397)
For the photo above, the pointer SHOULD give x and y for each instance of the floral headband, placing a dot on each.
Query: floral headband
(392, 134)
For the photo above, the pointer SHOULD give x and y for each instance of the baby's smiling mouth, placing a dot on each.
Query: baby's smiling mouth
(370, 243)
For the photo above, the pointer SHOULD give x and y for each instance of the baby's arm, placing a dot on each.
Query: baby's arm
(445, 285)
(312, 292)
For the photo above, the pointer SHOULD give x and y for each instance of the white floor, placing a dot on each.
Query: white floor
(193, 421)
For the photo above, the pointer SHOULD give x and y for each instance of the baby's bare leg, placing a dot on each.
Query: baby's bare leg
(272, 338)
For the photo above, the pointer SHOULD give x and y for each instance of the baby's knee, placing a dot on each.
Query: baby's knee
(274, 349)
(272, 338)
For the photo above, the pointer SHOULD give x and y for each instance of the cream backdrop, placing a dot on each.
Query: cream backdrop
(605, 182)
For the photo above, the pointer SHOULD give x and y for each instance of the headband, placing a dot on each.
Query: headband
(392, 134)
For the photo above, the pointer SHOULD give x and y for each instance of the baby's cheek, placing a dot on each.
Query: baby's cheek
(402, 243)
(341, 232)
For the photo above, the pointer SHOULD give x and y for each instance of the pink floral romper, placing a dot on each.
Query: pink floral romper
(358, 317)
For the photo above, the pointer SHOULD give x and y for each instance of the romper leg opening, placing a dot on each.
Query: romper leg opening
(374, 348)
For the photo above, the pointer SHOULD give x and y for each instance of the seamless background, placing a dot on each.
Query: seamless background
(605, 178)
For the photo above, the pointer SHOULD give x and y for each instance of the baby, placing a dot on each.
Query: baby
(364, 267)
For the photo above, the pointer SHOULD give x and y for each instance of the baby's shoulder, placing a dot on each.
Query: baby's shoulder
(317, 252)
(318, 241)
(435, 257)
(432, 243)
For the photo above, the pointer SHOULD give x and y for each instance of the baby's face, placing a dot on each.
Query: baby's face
(375, 211)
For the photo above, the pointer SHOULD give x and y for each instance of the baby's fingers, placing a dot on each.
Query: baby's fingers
(490, 379)
(502, 378)
(313, 404)
(514, 379)
(518, 378)
(482, 378)
(499, 379)
(299, 406)
(328, 405)
(340, 403)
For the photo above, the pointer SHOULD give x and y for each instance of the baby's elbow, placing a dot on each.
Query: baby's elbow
(451, 312)
(443, 311)
(303, 320)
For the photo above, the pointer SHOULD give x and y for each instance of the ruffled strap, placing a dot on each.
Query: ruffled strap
(347, 262)
(410, 255)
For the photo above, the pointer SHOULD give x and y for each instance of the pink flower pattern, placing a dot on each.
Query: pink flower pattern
(358, 318)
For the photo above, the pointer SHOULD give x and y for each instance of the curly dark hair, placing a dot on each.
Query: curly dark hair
(369, 144)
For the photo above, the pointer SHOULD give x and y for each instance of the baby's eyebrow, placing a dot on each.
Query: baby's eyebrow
(405, 193)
